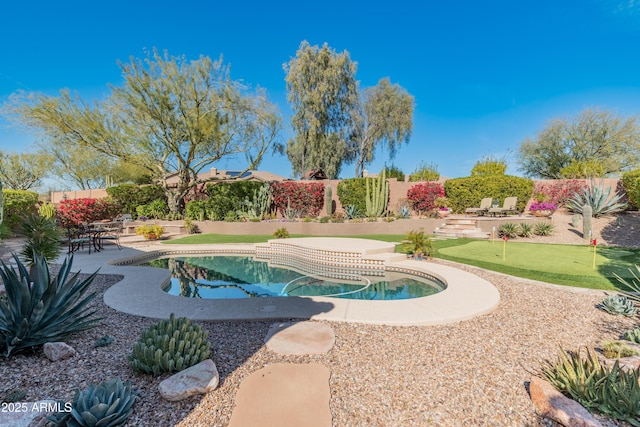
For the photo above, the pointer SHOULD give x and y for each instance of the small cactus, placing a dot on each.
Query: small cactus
(575, 220)
(587, 222)
(328, 199)
(618, 305)
(170, 346)
(632, 335)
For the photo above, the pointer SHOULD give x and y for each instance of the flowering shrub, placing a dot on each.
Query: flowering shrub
(559, 191)
(422, 196)
(76, 211)
(305, 198)
(542, 206)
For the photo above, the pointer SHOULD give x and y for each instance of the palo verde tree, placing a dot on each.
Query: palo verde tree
(172, 117)
(387, 119)
(23, 171)
(323, 93)
(566, 147)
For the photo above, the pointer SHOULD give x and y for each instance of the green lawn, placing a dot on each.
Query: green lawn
(260, 238)
(569, 265)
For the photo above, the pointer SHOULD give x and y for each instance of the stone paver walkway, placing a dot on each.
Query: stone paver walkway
(300, 338)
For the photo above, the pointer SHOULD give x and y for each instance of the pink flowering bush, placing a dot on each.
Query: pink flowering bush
(559, 191)
(543, 206)
(306, 198)
(422, 196)
(76, 211)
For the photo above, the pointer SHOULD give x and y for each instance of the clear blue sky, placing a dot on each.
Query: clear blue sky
(485, 75)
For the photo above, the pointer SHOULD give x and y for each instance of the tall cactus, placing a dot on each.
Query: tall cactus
(328, 200)
(377, 195)
(587, 221)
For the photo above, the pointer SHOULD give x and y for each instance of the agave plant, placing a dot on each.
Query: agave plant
(633, 285)
(40, 309)
(105, 405)
(599, 198)
(632, 335)
(170, 346)
(543, 229)
(618, 305)
(509, 229)
(526, 229)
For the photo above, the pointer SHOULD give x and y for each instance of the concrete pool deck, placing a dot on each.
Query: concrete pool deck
(140, 291)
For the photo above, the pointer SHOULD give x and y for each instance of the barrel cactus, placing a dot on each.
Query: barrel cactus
(107, 405)
(618, 305)
(170, 346)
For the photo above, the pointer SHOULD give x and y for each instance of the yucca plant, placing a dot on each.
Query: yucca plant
(618, 305)
(526, 229)
(105, 405)
(509, 229)
(40, 309)
(170, 346)
(633, 285)
(599, 198)
(632, 335)
(543, 229)
(42, 238)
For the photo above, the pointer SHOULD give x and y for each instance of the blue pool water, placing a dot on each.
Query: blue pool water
(221, 277)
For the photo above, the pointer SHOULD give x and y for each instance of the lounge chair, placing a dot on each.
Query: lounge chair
(485, 205)
(509, 206)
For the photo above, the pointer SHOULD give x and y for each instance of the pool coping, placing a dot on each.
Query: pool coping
(140, 293)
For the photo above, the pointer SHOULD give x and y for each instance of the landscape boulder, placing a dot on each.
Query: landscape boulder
(58, 351)
(198, 379)
(550, 403)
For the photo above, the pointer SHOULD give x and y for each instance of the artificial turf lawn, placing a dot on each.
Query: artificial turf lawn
(570, 265)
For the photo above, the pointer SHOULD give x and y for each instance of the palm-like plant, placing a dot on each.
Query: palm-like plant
(40, 309)
(599, 198)
(42, 238)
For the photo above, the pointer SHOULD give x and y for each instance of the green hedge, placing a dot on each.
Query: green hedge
(353, 191)
(631, 182)
(17, 204)
(468, 192)
(128, 196)
(224, 197)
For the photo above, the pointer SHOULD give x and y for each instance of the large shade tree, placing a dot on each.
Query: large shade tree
(323, 94)
(594, 137)
(386, 119)
(172, 117)
(23, 171)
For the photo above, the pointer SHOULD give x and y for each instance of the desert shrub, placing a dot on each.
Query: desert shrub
(196, 210)
(584, 169)
(281, 233)
(631, 183)
(469, 191)
(489, 166)
(228, 196)
(419, 244)
(559, 191)
(128, 197)
(18, 203)
(42, 238)
(425, 172)
(617, 349)
(353, 192)
(157, 209)
(304, 198)
(76, 211)
(423, 195)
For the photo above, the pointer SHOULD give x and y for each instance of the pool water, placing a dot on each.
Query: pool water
(221, 277)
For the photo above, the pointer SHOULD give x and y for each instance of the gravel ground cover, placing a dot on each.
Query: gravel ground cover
(471, 373)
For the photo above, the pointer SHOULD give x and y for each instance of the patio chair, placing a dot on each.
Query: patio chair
(111, 233)
(508, 207)
(485, 205)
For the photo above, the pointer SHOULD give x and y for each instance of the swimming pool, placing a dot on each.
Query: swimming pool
(223, 277)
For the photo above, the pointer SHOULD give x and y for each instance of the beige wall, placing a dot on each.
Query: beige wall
(58, 196)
